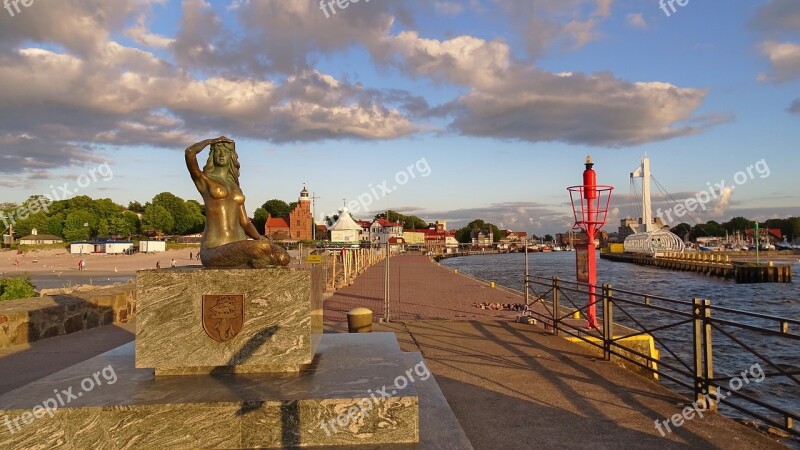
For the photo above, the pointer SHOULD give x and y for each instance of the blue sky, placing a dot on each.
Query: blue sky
(501, 99)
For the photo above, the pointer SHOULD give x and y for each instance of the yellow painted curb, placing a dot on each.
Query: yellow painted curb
(643, 344)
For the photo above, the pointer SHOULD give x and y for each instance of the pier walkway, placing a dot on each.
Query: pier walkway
(511, 385)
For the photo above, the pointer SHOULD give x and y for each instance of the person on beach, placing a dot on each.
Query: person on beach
(172, 263)
(158, 264)
(80, 264)
(190, 256)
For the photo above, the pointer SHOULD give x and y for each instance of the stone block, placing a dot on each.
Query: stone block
(136, 409)
(194, 321)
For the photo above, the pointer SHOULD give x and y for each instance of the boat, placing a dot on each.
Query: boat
(786, 246)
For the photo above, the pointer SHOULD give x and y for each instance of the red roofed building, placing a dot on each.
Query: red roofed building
(297, 227)
(774, 232)
(381, 230)
(436, 238)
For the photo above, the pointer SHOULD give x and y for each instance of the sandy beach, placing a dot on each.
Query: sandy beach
(56, 268)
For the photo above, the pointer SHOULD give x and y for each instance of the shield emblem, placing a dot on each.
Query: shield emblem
(223, 316)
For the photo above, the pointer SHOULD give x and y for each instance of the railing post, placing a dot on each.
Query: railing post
(703, 358)
(707, 350)
(556, 312)
(608, 321)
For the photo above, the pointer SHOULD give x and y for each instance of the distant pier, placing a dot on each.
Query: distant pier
(711, 264)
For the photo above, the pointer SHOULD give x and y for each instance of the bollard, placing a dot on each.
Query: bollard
(359, 320)
(491, 284)
(576, 314)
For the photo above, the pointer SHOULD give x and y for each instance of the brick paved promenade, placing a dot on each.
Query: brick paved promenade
(420, 289)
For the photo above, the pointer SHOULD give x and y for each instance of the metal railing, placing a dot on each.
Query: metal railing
(688, 364)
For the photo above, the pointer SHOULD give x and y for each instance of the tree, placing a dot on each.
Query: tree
(331, 220)
(408, 222)
(134, 223)
(548, 238)
(277, 208)
(464, 235)
(135, 207)
(182, 220)
(156, 219)
(260, 219)
(196, 216)
(78, 225)
(55, 225)
(681, 230)
(794, 230)
(118, 226)
(738, 224)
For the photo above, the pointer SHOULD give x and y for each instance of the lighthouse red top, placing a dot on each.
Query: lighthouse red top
(589, 180)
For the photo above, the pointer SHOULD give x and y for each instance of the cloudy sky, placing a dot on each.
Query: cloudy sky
(463, 109)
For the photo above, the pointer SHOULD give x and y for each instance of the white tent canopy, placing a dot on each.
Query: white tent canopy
(654, 242)
(345, 229)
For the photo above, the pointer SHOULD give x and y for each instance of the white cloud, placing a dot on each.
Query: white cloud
(636, 20)
(785, 60)
(511, 100)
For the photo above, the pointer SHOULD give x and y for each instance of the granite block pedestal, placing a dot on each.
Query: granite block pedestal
(140, 410)
(193, 321)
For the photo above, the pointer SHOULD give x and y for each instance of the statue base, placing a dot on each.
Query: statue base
(350, 397)
(208, 321)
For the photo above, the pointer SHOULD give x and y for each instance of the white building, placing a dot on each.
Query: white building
(81, 248)
(117, 247)
(152, 246)
(382, 230)
(345, 231)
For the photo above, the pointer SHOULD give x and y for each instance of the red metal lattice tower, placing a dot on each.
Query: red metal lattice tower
(590, 203)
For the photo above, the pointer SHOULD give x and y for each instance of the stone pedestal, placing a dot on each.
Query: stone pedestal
(195, 321)
(126, 407)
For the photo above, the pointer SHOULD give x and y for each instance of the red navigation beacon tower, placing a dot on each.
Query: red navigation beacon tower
(590, 208)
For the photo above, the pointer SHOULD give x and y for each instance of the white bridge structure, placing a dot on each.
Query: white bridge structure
(648, 239)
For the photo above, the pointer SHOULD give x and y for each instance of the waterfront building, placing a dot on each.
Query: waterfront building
(298, 226)
(512, 239)
(365, 235)
(435, 239)
(381, 230)
(482, 239)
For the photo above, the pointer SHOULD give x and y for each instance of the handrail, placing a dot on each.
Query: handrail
(694, 370)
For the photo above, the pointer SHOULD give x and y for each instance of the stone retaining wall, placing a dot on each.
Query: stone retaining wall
(31, 319)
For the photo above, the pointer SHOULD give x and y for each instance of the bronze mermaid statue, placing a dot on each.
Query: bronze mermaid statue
(225, 242)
